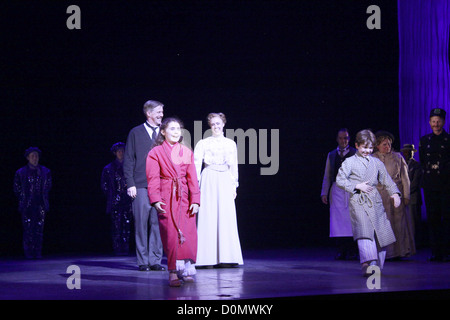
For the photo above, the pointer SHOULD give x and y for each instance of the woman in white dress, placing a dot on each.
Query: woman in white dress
(218, 238)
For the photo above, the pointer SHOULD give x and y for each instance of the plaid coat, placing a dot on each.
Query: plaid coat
(367, 213)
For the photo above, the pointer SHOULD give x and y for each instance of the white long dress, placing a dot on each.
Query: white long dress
(218, 238)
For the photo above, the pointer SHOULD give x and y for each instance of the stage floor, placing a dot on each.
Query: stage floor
(284, 274)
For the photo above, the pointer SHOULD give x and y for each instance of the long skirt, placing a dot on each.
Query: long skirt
(402, 225)
(218, 238)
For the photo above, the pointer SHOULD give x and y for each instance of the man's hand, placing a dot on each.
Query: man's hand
(131, 191)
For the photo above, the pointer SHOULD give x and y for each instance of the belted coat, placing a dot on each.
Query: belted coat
(367, 213)
(172, 179)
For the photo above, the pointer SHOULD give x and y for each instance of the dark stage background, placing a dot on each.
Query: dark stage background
(306, 68)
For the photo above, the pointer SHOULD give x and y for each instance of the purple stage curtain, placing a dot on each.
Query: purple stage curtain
(424, 74)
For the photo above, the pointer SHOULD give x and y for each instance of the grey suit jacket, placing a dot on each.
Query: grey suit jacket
(137, 148)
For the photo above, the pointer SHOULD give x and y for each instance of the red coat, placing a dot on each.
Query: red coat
(172, 179)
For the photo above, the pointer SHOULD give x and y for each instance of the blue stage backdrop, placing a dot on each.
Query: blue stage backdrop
(424, 73)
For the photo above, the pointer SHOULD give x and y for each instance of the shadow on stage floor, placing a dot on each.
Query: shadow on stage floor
(305, 273)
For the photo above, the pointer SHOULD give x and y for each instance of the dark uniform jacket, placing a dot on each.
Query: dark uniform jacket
(32, 187)
(434, 154)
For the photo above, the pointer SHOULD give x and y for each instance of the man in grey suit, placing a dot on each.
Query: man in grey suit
(140, 141)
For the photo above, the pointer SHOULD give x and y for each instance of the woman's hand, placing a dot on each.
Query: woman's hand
(397, 200)
(158, 206)
(193, 209)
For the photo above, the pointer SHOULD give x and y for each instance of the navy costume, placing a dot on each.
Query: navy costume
(118, 203)
(434, 153)
(336, 160)
(31, 186)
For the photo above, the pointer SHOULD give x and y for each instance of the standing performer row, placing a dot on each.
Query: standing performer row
(168, 182)
(384, 177)
(167, 185)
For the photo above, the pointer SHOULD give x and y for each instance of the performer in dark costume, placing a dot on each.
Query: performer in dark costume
(32, 184)
(434, 155)
(118, 203)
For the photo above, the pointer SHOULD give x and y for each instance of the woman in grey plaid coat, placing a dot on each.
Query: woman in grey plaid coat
(359, 175)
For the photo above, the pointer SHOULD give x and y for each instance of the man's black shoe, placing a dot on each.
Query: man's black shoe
(144, 268)
(157, 267)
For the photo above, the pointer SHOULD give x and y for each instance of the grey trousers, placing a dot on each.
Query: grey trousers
(149, 248)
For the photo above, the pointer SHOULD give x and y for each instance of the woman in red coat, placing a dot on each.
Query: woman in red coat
(173, 190)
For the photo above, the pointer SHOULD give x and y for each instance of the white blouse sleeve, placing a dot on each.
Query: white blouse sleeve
(199, 154)
(234, 165)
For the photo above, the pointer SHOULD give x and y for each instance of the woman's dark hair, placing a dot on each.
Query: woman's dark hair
(164, 124)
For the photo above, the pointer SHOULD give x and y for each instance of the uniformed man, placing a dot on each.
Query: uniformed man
(434, 154)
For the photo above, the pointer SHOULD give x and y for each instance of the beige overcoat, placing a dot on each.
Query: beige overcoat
(400, 217)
